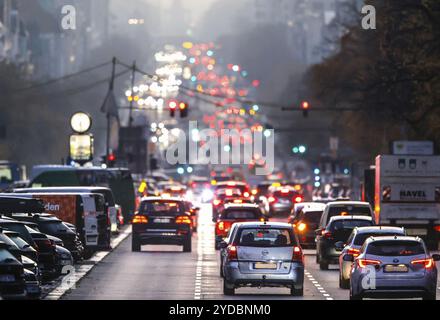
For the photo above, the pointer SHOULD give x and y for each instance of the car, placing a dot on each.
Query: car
(353, 245)
(242, 186)
(263, 254)
(32, 285)
(162, 221)
(53, 226)
(194, 213)
(232, 213)
(393, 266)
(306, 222)
(227, 241)
(218, 201)
(282, 199)
(26, 249)
(12, 281)
(345, 208)
(338, 229)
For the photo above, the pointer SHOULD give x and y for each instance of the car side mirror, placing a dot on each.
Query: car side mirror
(436, 257)
(223, 244)
(348, 258)
(339, 245)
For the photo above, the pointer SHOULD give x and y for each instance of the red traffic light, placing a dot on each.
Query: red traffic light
(111, 157)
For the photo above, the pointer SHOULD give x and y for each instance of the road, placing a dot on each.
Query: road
(165, 272)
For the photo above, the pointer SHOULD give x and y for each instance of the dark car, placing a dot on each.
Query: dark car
(12, 282)
(26, 248)
(53, 226)
(338, 229)
(162, 221)
(282, 199)
(306, 222)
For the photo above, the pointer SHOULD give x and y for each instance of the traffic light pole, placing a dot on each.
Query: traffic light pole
(133, 75)
(111, 86)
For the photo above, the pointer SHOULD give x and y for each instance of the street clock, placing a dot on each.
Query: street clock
(81, 122)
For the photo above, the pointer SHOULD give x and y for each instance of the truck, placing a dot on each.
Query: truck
(407, 194)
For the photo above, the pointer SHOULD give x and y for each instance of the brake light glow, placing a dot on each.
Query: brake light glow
(427, 263)
(271, 199)
(301, 227)
(254, 191)
(246, 194)
(297, 254)
(298, 199)
(232, 252)
(437, 228)
(238, 201)
(216, 202)
(221, 225)
(228, 192)
(139, 219)
(183, 220)
(231, 184)
(285, 191)
(353, 252)
(363, 263)
(327, 234)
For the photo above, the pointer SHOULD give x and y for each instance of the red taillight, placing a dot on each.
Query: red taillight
(437, 228)
(426, 263)
(327, 234)
(353, 252)
(297, 199)
(232, 252)
(183, 220)
(271, 199)
(216, 202)
(363, 263)
(254, 191)
(297, 254)
(246, 194)
(221, 225)
(140, 219)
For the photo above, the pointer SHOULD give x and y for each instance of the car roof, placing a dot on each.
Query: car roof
(393, 238)
(176, 199)
(236, 183)
(348, 203)
(257, 224)
(313, 206)
(338, 218)
(241, 205)
(379, 229)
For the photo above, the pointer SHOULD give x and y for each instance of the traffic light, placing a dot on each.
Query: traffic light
(111, 160)
(305, 106)
(172, 105)
(183, 106)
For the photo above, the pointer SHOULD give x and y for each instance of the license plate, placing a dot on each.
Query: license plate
(7, 278)
(264, 265)
(416, 232)
(162, 220)
(396, 268)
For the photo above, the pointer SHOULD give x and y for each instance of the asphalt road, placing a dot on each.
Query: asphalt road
(165, 272)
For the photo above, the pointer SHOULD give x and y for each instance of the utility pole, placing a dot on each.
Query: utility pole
(111, 86)
(133, 74)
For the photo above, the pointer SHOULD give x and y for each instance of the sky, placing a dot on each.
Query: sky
(196, 7)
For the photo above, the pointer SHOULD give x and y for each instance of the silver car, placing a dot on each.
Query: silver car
(263, 254)
(354, 244)
(397, 266)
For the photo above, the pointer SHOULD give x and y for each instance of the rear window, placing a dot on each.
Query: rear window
(349, 224)
(395, 248)
(19, 241)
(360, 238)
(266, 237)
(19, 228)
(284, 195)
(240, 214)
(312, 216)
(348, 211)
(158, 208)
(52, 227)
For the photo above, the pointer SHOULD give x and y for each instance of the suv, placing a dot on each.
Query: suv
(162, 221)
(306, 222)
(345, 208)
(402, 267)
(338, 229)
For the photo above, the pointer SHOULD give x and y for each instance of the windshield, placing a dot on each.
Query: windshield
(19, 228)
(349, 224)
(5, 174)
(395, 248)
(19, 241)
(52, 227)
(348, 211)
(361, 237)
(267, 237)
(161, 208)
(5, 255)
(240, 214)
(312, 216)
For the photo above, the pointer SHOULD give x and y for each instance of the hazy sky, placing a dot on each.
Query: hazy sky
(196, 7)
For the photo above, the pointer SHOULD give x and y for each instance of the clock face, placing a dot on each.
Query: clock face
(80, 122)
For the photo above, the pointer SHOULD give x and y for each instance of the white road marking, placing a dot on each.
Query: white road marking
(317, 285)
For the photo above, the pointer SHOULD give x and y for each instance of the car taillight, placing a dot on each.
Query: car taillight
(140, 219)
(301, 227)
(427, 263)
(254, 191)
(437, 228)
(297, 254)
(297, 199)
(221, 225)
(363, 263)
(183, 220)
(327, 234)
(353, 252)
(216, 202)
(246, 194)
(271, 199)
(232, 252)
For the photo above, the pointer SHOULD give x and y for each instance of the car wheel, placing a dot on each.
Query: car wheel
(187, 244)
(228, 288)
(297, 292)
(323, 265)
(430, 296)
(317, 258)
(135, 245)
(343, 283)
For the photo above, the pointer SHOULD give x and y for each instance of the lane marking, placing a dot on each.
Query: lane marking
(317, 285)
